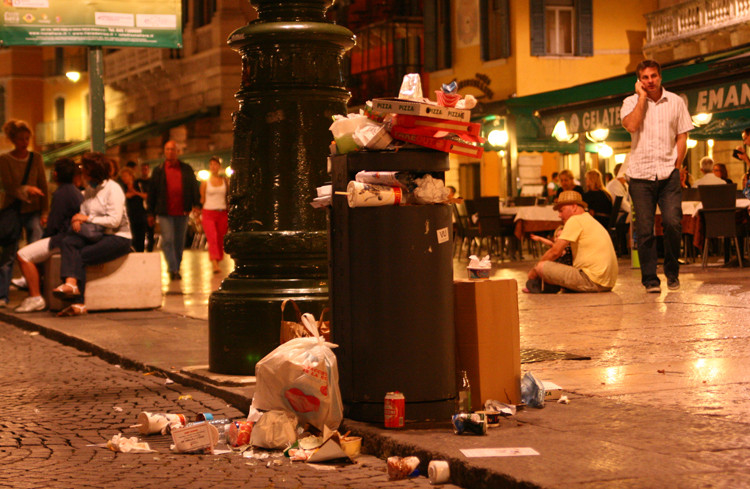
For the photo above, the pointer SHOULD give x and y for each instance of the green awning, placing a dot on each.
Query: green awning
(131, 134)
(719, 84)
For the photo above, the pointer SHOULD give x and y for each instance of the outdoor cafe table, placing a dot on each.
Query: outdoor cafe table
(532, 219)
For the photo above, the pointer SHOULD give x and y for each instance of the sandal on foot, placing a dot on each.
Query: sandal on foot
(73, 310)
(66, 291)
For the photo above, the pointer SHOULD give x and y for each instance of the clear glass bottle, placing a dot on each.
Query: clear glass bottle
(463, 403)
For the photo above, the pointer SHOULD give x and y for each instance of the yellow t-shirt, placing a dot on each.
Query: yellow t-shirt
(592, 249)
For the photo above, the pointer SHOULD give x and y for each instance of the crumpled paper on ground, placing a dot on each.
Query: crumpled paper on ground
(274, 430)
(476, 264)
(500, 407)
(119, 443)
(401, 468)
(430, 191)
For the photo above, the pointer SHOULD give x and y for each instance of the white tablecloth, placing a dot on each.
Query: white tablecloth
(531, 213)
(691, 207)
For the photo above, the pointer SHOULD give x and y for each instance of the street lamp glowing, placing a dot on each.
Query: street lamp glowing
(604, 150)
(73, 76)
(204, 175)
(560, 132)
(498, 138)
(598, 135)
(702, 118)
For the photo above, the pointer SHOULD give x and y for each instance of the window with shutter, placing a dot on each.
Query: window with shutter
(437, 35)
(561, 27)
(495, 29)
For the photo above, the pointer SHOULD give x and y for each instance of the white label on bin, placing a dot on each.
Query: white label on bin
(442, 235)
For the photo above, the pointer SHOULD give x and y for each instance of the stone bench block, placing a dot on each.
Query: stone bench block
(132, 281)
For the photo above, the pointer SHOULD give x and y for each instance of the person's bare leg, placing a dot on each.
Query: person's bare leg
(31, 274)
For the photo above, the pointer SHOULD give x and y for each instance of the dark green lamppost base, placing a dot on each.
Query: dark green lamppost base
(292, 84)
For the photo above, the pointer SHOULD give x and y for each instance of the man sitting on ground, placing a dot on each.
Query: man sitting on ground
(594, 261)
(708, 178)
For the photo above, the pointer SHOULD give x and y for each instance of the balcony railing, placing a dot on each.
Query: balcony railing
(128, 63)
(693, 18)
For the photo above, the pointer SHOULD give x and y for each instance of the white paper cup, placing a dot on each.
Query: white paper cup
(439, 472)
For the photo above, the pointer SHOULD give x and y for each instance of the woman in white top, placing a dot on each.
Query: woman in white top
(214, 214)
(99, 233)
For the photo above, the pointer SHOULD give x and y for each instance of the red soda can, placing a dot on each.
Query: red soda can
(394, 409)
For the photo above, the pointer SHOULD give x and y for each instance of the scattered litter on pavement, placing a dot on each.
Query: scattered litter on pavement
(532, 391)
(469, 423)
(184, 397)
(168, 381)
(34, 333)
(150, 423)
(120, 443)
(438, 472)
(323, 467)
(500, 407)
(117, 409)
(498, 452)
(552, 391)
(563, 400)
(401, 468)
(661, 371)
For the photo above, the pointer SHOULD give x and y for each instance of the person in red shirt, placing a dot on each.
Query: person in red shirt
(173, 193)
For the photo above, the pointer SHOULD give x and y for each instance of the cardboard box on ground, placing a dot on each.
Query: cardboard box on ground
(488, 339)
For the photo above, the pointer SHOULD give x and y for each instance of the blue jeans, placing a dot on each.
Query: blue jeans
(30, 223)
(173, 229)
(645, 195)
(76, 254)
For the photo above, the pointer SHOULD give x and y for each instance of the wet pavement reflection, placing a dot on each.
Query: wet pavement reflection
(687, 350)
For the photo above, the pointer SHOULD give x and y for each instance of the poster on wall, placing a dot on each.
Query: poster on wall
(132, 23)
(467, 23)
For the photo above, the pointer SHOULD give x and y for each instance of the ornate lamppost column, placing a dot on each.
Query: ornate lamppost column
(292, 83)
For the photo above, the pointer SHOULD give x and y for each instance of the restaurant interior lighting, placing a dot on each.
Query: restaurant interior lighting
(204, 175)
(597, 135)
(702, 118)
(620, 157)
(691, 143)
(710, 143)
(229, 171)
(560, 132)
(73, 76)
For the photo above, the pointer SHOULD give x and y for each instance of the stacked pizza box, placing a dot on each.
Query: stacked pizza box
(433, 126)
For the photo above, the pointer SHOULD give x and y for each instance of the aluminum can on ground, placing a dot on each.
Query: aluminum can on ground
(394, 410)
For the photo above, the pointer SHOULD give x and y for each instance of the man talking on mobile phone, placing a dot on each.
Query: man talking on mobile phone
(658, 122)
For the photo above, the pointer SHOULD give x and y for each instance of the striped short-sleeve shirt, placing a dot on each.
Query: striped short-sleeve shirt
(653, 151)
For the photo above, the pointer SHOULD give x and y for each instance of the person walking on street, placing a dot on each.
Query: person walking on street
(142, 184)
(173, 193)
(658, 122)
(135, 207)
(214, 193)
(24, 183)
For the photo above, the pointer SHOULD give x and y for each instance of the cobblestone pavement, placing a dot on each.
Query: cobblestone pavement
(57, 401)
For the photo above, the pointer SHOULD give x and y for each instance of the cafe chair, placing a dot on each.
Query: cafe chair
(494, 228)
(465, 232)
(612, 225)
(719, 206)
(691, 194)
(524, 200)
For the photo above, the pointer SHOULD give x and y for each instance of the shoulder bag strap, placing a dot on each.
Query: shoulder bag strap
(28, 168)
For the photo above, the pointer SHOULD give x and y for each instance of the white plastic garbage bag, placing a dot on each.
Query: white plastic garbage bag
(301, 376)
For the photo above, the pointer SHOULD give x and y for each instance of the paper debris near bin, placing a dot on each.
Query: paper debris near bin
(198, 437)
(479, 268)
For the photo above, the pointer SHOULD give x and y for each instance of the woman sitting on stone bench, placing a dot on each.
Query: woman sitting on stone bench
(99, 233)
(66, 202)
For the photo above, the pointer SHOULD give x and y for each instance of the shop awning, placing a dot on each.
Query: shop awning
(131, 134)
(718, 84)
